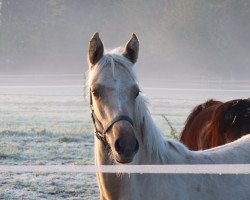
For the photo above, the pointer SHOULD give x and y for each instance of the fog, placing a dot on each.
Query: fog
(178, 39)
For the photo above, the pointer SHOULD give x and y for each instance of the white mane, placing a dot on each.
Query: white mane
(152, 136)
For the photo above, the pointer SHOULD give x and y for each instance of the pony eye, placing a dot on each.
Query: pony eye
(95, 93)
(137, 93)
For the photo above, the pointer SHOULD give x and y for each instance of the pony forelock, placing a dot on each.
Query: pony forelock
(110, 58)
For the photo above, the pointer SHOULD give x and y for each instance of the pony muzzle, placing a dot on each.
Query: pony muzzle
(125, 144)
(126, 152)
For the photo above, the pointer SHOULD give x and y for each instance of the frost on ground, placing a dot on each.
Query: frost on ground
(48, 186)
(18, 148)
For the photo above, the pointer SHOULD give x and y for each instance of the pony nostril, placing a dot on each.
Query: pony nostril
(136, 146)
(118, 146)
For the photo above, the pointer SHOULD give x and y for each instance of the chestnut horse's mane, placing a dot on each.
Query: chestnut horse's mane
(215, 123)
(197, 110)
(226, 117)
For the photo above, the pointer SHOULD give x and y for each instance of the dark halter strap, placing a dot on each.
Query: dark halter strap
(101, 134)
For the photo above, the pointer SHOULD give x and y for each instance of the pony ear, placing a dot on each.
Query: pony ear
(132, 49)
(95, 49)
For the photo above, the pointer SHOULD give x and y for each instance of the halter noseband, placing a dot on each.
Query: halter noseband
(101, 134)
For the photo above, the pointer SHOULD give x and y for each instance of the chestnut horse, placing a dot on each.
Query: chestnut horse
(215, 123)
(125, 133)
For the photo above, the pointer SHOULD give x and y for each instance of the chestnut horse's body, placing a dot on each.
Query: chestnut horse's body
(125, 133)
(215, 123)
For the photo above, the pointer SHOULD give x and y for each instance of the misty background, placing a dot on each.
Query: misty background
(183, 39)
(190, 51)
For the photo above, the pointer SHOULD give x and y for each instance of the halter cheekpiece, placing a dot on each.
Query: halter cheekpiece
(101, 134)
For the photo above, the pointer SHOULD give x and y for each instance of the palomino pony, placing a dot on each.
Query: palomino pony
(126, 134)
(215, 123)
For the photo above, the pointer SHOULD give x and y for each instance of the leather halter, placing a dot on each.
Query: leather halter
(101, 134)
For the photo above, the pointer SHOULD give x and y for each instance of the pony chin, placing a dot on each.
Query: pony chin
(124, 160)
(119, 159)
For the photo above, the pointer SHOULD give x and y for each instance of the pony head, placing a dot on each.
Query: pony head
(113, 93)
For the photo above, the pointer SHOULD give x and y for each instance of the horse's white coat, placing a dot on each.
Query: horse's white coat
(155, 150)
